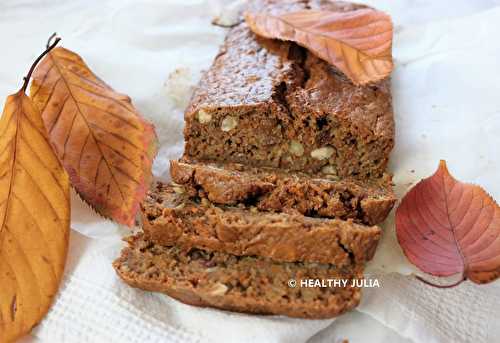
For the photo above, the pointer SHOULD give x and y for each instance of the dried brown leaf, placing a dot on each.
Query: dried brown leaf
(358, 42)
(105, 145)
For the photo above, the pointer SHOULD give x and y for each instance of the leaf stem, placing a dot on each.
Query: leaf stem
(33, 66)
(52, 36)
(462, 279)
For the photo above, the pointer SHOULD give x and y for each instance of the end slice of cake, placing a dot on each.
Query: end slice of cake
(243, 284)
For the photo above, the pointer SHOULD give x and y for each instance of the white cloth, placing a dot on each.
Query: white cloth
(445, 88)
(467, 313)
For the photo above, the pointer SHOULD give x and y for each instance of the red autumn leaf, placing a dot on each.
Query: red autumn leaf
(358, 42)
(446, 227)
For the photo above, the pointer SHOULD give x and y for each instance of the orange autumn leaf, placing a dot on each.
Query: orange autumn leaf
(105, 145)
(358, 42)
(446, 227)
(34, 218)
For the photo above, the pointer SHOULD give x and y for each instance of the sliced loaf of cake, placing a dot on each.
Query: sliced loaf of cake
(284, 164)
(243, 284)
(171, 217)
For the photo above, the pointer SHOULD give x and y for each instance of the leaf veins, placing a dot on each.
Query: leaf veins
(105, 145)
(357, 42)
(34, 219)
(446, 227)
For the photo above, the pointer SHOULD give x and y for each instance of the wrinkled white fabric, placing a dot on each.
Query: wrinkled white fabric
(445, 89)
(467, 313)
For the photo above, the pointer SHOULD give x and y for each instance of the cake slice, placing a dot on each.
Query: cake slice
(268, 103)
(171, 217)
(243, 284)
(271, 189)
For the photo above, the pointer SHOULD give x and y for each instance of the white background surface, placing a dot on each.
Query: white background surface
(446, 91)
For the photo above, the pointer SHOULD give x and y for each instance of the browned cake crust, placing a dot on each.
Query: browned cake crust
(271, 189)
(274, 104)
(171, 217)
(284, 161)
(242, 284)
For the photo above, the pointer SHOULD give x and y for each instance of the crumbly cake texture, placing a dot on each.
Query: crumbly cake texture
(274, 104)
(171, 217)
(271, 189)
(243, 284)
(284, 163)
